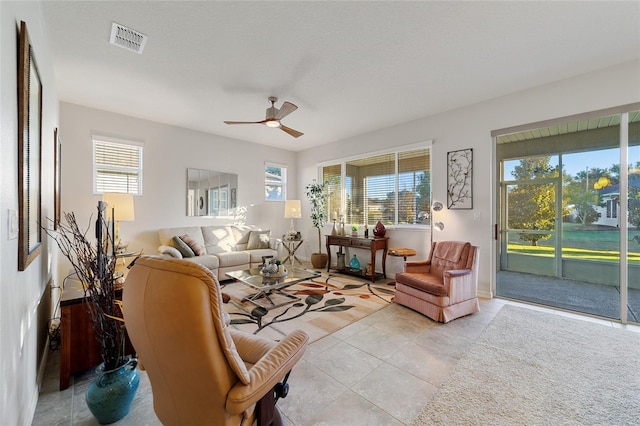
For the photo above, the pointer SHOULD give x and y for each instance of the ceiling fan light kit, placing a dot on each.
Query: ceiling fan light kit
(273, 116)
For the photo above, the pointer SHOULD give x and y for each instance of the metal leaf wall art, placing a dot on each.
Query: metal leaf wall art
(460, 179)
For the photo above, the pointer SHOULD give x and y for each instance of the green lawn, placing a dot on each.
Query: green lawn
(580, 242)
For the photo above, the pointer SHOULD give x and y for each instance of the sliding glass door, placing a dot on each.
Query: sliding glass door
(567, 236)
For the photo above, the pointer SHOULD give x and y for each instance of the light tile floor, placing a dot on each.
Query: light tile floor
(380, 370)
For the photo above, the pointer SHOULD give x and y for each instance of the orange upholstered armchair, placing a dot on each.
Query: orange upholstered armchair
(445, 286)
(201, 370)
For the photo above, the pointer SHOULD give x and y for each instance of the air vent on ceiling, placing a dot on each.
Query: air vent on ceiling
(127, 38)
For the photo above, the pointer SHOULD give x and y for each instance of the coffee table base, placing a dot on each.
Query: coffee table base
(274, 299)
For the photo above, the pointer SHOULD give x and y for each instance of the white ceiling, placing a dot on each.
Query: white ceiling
(351, 67)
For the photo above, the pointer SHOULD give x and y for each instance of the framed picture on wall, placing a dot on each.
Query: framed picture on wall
(57, 155)
(29, 152)
(460, 179)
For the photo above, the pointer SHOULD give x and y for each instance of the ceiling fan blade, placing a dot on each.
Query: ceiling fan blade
(294, 133)
(286, 109)
(244, 122)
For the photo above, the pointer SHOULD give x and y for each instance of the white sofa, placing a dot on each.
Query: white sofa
(227, 247)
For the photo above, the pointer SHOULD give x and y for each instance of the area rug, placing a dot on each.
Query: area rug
(535, 368)
(327, 304)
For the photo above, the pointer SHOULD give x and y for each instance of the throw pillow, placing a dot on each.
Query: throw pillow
(197, 249)
(258, 240)
(182, 247)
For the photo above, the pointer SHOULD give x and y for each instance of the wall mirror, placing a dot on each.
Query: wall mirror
(29, 152)
(211, 193)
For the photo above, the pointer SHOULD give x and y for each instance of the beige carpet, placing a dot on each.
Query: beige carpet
(534, 368)
(326, 304)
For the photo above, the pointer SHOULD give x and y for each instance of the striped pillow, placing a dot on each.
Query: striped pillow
(181, 246)
(198, 250)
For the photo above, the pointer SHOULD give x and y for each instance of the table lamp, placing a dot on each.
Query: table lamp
(120, 206)
(292, 210)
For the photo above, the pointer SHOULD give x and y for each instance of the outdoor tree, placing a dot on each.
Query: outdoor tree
(532, 205)
(634, 206)
(406, 206)
(423, 189)
(583, 199)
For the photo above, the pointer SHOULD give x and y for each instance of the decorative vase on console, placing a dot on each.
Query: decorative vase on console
(379, 230)
(354, 264)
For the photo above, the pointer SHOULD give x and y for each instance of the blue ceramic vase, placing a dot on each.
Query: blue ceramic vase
(355, 263)
(110, 395)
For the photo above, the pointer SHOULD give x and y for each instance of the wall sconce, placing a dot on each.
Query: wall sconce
(436, 206)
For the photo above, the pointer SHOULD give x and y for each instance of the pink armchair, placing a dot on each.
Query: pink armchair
(445, 286)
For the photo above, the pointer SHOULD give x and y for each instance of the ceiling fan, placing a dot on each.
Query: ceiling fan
(273, 117)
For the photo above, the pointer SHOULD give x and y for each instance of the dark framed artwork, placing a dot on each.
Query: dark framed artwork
(57, 156)
(29, 152)
(460, 179)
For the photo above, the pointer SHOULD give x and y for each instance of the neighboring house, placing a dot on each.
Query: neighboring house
(610, 198)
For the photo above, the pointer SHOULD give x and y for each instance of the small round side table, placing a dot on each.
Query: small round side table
(401, 252)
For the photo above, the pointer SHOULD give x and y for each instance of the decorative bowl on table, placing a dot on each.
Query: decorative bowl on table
(278, 274)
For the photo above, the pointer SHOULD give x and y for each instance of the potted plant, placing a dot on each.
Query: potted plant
(354, 230)
(317, 195)
(94, 264)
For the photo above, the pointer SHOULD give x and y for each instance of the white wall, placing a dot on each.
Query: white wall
(21, 292)
(470, 127)
(168, 152)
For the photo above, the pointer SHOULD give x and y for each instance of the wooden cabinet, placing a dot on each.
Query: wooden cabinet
(371, 244)
(79, 348)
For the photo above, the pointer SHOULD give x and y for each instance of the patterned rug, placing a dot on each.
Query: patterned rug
(327, 304)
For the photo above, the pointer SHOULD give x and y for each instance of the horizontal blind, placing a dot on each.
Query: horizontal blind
(371, 189)
(332, 177)
(414, 185)
(118, 167)
(393, 187)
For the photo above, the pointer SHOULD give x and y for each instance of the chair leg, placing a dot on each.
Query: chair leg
(267, 413)
(266, 408)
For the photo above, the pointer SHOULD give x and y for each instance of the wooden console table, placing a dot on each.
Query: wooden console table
(373, 244)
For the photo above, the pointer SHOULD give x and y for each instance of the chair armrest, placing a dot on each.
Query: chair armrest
(250, 347)
(417, 266)
(267, 372)
(170, 251)
(457, 272)
(460, 285)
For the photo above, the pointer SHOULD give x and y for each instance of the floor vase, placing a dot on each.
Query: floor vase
(110, 395)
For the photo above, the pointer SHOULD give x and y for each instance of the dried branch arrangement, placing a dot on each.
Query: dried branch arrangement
(94, 265)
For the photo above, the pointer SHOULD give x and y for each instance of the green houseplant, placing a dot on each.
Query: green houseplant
(110, 395)
(318, 195)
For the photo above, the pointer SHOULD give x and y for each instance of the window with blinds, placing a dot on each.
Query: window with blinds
(392, 187)
(117, 166)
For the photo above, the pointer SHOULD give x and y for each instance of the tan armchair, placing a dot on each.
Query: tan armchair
(201, 370)
(445, 286)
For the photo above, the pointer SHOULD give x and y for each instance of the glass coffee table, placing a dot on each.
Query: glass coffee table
(271, 289)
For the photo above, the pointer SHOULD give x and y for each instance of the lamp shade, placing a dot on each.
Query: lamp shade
(122, 204)
(292, 209)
